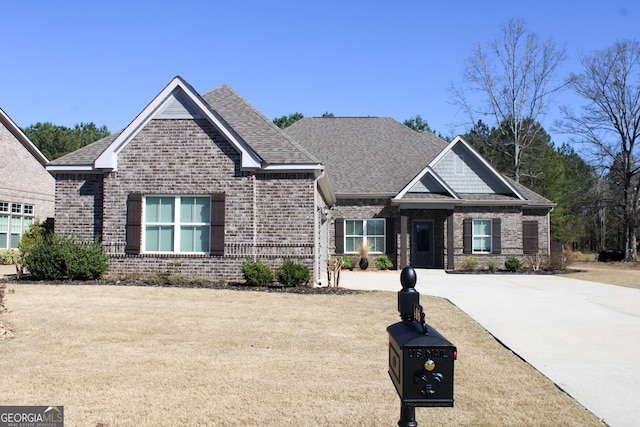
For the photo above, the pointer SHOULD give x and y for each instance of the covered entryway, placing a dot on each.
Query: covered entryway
(422, 244)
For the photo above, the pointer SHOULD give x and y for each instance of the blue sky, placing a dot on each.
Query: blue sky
(68, 62)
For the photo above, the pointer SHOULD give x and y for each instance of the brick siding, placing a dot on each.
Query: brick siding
(266, 214)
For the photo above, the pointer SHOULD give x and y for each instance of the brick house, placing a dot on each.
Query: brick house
(26, 188)
(196, 184)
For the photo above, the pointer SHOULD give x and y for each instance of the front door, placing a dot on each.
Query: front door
(422, 244)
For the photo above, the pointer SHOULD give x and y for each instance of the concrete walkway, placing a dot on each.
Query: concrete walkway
(584, 336)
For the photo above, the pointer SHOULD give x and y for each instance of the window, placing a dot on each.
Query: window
(177, 224)
(368, 231)
(481, 235)
(15, 219)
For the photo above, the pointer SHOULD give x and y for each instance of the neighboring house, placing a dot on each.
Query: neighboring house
(26, 188)
(197, 184)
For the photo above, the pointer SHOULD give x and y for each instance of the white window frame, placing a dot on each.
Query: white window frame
(364, 235)
(176, 224)
(19, 217)
(483, 236)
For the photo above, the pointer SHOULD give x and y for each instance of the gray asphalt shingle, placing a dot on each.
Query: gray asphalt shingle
(367, 155)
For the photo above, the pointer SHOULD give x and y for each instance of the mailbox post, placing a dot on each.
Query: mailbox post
(420, 359)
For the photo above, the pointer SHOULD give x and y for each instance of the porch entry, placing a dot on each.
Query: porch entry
(422, 243)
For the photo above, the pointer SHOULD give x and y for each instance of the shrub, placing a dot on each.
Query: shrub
(492, 263)
(53, 257)
(512, 264)
(346, 262)
(256, 273)
(470, 263)
(293, 274)
(383, 262)
(157, 279)
(7, 256)
(178, 280)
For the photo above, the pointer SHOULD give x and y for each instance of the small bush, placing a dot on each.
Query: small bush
(199, 282)
(346, 262)
(54, 257)
(512, 264)
(7, 256)
(293, 274)
(492, 263)
(383, 262)
(157, 279)
(470, 263)
(256, 272)
(178, 280)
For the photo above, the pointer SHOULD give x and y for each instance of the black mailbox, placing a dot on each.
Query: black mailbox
(420, 359)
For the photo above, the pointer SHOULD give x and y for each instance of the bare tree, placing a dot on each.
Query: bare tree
(516, 76)
(610, 123)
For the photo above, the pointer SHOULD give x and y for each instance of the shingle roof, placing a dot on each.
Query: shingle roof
(530, 195)
(366, 155)
(264, 137)
(86, 155)
(271, 144)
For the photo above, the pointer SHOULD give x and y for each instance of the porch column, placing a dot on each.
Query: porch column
(403, 241)
(450, 254)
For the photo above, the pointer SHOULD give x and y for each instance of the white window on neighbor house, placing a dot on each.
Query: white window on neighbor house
(482, 235)
(364, 231)
(177, 224)
(15, 219)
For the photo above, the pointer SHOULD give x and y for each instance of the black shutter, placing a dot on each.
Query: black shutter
(216, 244)
(530, 237)
(134, 223)
(496, 236)
(467, 236)
(391, 245)
(339, 236)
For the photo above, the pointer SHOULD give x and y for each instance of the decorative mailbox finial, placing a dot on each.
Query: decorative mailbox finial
(408, 297)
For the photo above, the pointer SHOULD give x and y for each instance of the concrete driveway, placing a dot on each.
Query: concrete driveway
(584, 336)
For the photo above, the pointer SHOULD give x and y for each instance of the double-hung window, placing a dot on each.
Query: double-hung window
(482, 235)
(365, 232)
(177, 224)
(15, 219)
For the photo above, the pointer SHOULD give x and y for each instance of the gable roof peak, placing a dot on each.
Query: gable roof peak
(22, 138)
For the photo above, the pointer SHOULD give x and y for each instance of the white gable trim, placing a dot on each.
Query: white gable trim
(473, 152)
(109, 158)
(426, 171)
(24, 140)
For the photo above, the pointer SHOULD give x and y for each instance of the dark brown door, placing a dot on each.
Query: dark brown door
(422, 244)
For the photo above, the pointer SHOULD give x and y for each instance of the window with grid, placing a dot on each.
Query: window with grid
(15, 219)
(363, 232)
(482, 235)
(179, 224)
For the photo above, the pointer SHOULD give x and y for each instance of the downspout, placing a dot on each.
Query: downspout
(316, 230)
(255, 217)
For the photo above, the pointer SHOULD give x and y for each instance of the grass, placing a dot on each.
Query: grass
(625, 274)
(123, 356)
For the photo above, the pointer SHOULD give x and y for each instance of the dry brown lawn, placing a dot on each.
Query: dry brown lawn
(142, 356)
(615, 273)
